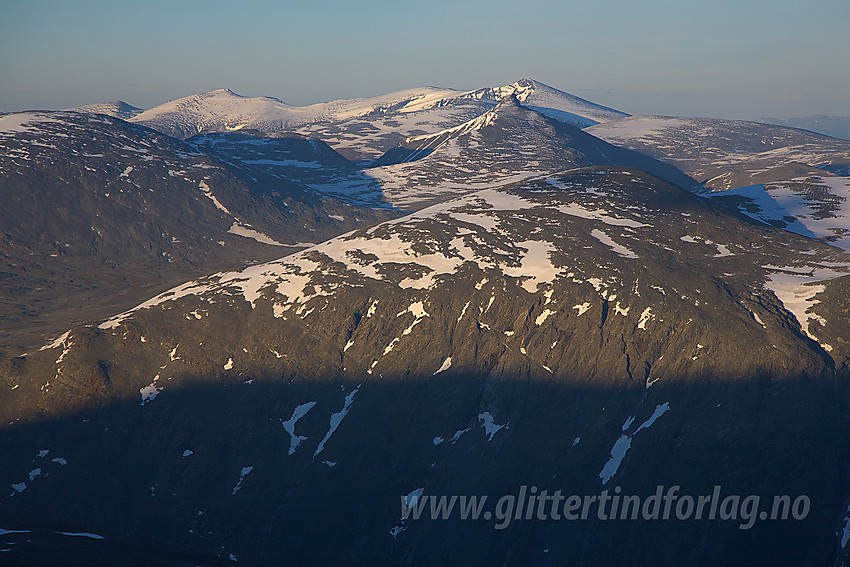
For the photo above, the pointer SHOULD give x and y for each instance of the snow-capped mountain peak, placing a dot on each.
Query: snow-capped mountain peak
(551, 102)
(224, 110)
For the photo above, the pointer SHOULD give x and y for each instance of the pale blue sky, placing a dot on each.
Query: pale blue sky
(725, 58)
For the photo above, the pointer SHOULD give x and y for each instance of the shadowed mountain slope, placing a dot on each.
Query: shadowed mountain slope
(595, 329)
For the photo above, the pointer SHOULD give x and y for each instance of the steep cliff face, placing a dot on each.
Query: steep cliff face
(594, 330)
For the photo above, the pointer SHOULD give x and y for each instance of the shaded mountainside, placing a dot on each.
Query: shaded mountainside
(64, 548)
(98, 213)
(292, 156)
(596, 329)
(506, 144)
(726, 154)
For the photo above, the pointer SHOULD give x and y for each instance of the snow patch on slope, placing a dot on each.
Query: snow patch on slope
(289, 425)
(624, 442)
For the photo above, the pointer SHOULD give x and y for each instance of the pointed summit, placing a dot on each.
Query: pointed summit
(550, 101)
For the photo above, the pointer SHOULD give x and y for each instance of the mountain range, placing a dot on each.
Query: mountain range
(358, 128)
(238, 330)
